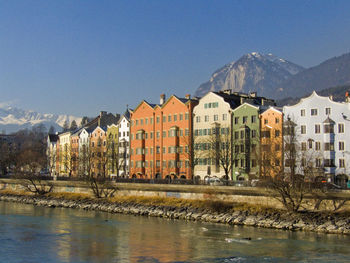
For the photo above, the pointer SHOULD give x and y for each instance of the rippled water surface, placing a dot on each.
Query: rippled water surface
(38, 234)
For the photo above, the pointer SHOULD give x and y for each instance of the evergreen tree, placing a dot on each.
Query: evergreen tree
(52, 130)
(73, 125)
(65, 126)
(84, 121)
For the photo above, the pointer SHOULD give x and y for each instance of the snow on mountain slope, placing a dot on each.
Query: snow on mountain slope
(13, 119)
(252, 72)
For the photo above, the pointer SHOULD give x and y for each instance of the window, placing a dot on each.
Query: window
(310, 143)
(318, 162)
(164, 118)
(253, 133)
(206, 118)
(341, 163)
(236, 135)
(242, 134)
(341, 128)
(158, 134)
(158, 119)
(329, 163)
(341, 146)
(277, 120)
(329, 146)
(141, 121)
(186, 116)
(224, 117)
(137, 122)
(169, 118)
(277, 147)
(317, 146)
(328, 128)
(164, 134)
(328, 111)
(146, 121)
(175, 117)
(266, 121)
(245, 119)
(151, 120)
(303, 129)
(216, 117)
(277, 133)
(265, 134)
(158, 149)
(198, 119)
(302, 112)
(303, 146)
(253, 119)
(313, 112)
(181, 117)
(317, 128)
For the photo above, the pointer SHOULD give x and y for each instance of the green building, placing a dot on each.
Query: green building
(245, 142)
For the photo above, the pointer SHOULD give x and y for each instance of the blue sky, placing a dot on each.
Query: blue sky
(80, 57)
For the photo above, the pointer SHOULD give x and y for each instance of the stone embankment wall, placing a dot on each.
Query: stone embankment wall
(248, 195)
(325, 223)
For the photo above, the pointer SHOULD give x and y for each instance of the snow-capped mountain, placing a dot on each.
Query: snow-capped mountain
(252, 72)
(13, 119)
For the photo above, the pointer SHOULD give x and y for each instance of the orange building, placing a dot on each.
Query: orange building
(98, 152)
(271, 141)
(160, 141)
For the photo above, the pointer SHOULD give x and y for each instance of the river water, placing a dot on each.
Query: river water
(40, 234)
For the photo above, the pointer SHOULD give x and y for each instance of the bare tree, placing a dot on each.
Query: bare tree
(218, 148)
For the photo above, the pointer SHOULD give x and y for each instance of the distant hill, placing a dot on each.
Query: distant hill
(334, 72)
(338, 94)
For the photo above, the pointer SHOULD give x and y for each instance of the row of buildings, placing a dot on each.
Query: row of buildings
(225, 134)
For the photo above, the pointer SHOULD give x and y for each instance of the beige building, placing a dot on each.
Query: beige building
(211, 120)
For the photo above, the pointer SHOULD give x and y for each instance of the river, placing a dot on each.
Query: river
(39, 234)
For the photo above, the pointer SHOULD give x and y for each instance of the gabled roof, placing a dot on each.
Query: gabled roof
(315, 95)
(328, 121)
(248, 104)
(276, 109)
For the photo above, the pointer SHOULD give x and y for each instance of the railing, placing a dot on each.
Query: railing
(216, 182)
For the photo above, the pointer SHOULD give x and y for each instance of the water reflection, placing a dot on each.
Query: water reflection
(37, 234)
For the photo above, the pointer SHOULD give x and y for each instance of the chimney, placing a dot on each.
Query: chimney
(253, 94)
(162, 99)
(188, 96)
(262, 102)
(347, 99)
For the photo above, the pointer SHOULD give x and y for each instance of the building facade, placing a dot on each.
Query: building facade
(245, 142)
(160, 138)
(322, 132)
(124, 144)
(271, 142)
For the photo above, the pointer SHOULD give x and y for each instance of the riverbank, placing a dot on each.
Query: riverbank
(195, 210)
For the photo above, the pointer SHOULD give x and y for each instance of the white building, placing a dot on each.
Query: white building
(64, 153)
(124, 144)
(322, 130)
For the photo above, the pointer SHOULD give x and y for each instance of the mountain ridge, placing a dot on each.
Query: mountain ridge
(252, 72)
(13, 119)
